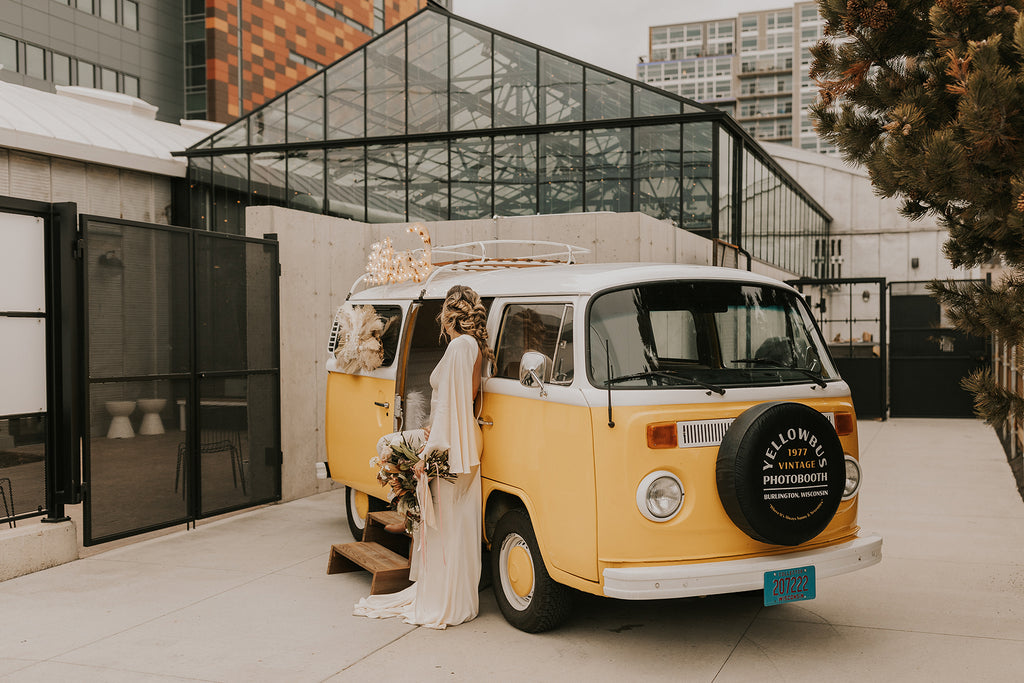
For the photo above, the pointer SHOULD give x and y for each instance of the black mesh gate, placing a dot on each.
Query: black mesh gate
(929, 356)
(851, 313)
(182, 376)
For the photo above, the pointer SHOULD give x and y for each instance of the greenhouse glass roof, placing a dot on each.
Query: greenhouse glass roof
(441, 118)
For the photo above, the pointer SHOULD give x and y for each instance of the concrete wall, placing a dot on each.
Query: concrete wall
(322, 256)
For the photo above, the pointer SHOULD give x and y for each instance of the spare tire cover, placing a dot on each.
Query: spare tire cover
(781, 472)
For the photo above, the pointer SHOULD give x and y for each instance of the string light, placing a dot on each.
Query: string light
(386, 266)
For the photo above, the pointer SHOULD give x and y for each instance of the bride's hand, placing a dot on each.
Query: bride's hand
(419, 467)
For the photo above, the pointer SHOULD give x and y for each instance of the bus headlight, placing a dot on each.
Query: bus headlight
(659, 497)
(852, 478)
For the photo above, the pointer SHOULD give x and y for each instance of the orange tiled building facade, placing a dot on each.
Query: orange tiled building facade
(274, 44)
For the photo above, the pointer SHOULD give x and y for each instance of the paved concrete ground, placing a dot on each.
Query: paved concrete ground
(247, 599)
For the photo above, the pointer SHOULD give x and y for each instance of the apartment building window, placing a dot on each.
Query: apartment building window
(84, 5)
(108, 10)
(659, 55)
(725, 29)
(130, 14)
(86, 74)
(35, 62)
(61, 69)
(748, 24)
(808, 13)
(659, 36)
(8, 53)
(131, 85)
(784, 40)
(108, 79)
(748, 44)
(693, 32)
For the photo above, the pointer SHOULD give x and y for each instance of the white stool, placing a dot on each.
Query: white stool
(120, 426)
(151, 422)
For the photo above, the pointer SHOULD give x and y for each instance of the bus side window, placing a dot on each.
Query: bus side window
(544, 328)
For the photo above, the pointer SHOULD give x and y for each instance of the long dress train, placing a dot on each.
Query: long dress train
(446, 547)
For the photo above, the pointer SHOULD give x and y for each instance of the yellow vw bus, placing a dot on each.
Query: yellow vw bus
(650, 431)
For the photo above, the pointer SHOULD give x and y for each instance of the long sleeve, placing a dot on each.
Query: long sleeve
(453, 425)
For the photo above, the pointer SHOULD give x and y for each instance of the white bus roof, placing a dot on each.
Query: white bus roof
(553, 280)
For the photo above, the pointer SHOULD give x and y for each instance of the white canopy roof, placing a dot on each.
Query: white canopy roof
(97, 127)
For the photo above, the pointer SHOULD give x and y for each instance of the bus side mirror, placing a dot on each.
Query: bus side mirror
(532, 367)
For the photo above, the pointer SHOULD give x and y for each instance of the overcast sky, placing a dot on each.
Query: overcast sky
(607, 33)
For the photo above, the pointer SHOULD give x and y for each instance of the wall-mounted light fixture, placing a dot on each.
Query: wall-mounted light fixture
(866, 296)
(915, 262)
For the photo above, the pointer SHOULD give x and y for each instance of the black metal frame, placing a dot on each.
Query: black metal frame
(63, 410)
(883, 318)
(194, 377)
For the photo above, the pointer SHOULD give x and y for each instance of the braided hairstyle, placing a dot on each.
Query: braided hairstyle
(463, 312)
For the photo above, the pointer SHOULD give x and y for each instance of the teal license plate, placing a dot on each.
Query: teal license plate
(789, 585)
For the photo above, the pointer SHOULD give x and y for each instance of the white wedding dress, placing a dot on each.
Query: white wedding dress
(446, 547)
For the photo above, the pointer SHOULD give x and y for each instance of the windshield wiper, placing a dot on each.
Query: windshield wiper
(674, 376)
(767, 363)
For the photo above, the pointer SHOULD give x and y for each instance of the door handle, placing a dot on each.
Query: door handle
(382, 405)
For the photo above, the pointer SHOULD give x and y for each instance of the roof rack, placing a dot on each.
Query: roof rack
(473, 256)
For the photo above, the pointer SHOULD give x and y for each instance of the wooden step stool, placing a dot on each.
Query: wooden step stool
(383, 554)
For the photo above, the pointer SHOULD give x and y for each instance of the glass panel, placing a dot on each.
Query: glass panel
(131, 85)
(697, 180)
(428, 73)
(385, 84)
(471, 179)
(86, 74)
(268, 123)
(130, 16)
(536, 328)
(231, 335)
(753, 335)
(230, 193)
(199, 200)
(561, 172)
(34, 63)
(239, 444)
(607, 97)
(306, 180)
(428, 181)
(515, 175)
(138, 318)
(235, 135)
(471, 77)
(137, 455)
(23, 463)
(267, 179)
(9, 53)
(515, 83)
(22, 365)
(108, 10)
(306, 111)
(385, 180)
(346, 183)
(607, 170)
(561, 89)
(649, 103)
(656, 169)
(108, 79)
(345, 98)
(725, 182)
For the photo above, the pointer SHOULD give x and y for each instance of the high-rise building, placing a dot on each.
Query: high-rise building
(755, 66)
(198, 59)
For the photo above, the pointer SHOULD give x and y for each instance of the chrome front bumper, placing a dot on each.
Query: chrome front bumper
(733, 576)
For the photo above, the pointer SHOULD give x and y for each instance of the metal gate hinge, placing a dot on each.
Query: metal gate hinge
(78, 248)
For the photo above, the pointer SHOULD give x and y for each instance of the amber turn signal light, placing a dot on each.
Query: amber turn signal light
(662, 435)
(844, 423)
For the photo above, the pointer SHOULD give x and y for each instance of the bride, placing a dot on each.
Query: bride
(446, 548)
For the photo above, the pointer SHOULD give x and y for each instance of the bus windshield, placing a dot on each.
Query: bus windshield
(708, 334)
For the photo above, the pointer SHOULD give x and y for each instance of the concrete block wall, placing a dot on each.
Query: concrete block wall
(322, 256)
